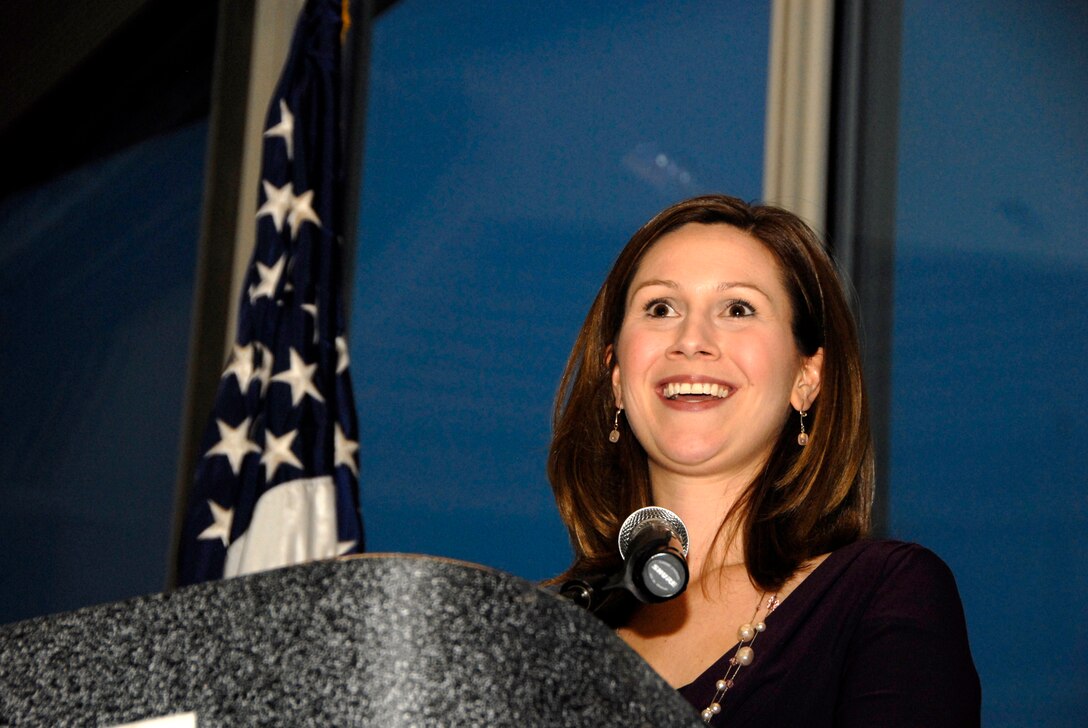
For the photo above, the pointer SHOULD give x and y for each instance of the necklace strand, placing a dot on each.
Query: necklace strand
(747, 634)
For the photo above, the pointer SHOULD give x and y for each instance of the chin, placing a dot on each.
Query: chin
(706, 458)
(692, 456)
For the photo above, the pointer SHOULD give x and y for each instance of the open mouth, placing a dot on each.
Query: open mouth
(695, 391)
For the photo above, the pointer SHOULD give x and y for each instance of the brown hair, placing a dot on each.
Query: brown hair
(807, 500)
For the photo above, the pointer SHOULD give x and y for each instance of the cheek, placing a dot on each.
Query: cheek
(625, 374)
(634, 348)
(633, 358)
(777, 363)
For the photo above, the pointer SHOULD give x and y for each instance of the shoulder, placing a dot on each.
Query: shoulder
(899, 562)
(874, 552)
(874, 635)
(910, 643)
(877, 581)
(898, 580)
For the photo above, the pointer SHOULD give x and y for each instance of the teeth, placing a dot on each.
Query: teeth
(675, 389)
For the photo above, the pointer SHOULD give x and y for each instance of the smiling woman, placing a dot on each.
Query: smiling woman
(711, 298)
(723, 339)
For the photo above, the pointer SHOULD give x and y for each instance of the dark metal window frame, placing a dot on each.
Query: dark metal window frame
(862, 193)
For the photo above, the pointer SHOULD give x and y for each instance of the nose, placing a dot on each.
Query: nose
(694, 340)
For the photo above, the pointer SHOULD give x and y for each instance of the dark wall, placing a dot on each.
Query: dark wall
(86, 80)
(104, 144)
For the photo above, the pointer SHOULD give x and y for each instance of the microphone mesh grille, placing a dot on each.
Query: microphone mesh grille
(652, 513)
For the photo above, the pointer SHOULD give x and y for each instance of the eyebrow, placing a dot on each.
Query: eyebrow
(723, 286)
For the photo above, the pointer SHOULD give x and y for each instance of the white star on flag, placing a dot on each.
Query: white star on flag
(277, 451)
(301, 211)
(285, 129)
(220, 527)
(241, 366)
(278, 201)
(342, 359)
(300, 376)
(270, 277)
(263, 370)
(311, 308)
(234, 443)
(345, 450)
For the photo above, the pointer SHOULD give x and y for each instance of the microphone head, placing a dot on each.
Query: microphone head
(663, 516)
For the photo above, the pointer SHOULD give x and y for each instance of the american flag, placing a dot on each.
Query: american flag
(277, 481)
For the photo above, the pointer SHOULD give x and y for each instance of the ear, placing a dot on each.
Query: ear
(807, 385)
(617, 390)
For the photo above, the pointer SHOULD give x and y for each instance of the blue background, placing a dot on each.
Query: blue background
(96, 281)
(991, 336)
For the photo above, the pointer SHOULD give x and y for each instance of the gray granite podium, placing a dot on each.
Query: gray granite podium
(367, 641)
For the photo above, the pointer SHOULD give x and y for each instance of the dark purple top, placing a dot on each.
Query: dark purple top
(875, 636)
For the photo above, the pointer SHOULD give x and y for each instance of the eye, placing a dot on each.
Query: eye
(739, 309)
(659, 308)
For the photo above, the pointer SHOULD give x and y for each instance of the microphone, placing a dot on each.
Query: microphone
(653, 543)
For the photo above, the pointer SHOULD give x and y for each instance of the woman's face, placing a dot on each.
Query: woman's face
(706, 367)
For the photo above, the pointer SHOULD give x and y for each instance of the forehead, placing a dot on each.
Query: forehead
(710, 250)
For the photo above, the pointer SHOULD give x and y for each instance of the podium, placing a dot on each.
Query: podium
(376, 640)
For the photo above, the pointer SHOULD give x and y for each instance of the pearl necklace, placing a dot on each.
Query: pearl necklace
(747, 634)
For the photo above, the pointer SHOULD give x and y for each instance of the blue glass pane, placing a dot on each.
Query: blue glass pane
(512, 148)
(96, 279)
(991, 336)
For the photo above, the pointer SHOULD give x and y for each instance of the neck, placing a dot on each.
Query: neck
(702, 504)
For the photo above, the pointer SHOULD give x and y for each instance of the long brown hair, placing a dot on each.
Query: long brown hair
(806, 501)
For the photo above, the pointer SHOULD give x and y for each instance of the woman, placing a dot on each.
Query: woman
(718, 375)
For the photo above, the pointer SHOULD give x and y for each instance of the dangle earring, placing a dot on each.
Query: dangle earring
(614, 436)
(802, 439)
